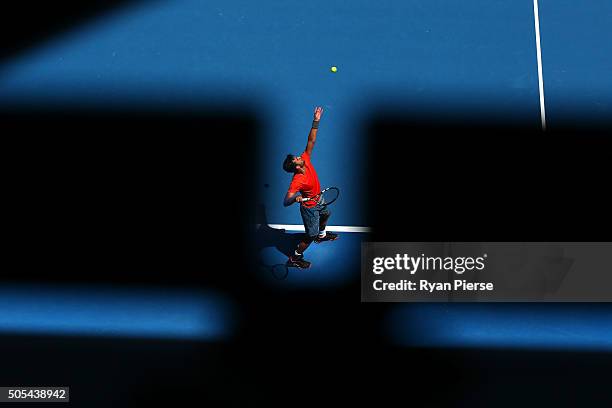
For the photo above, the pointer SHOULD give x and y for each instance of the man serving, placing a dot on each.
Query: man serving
(305, 185)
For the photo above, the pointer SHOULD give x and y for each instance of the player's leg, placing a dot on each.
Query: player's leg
(323, 235)
(303, 245)
(323, 218)
(310, 218)
(297, 258)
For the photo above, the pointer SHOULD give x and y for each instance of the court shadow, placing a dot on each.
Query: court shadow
(41, 22)
(266, 236)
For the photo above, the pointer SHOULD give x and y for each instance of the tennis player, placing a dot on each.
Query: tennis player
(305, 184)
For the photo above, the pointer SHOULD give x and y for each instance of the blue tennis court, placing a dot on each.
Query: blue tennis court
(111, 312)
(473, 59)
(333, 263)
(554, 327)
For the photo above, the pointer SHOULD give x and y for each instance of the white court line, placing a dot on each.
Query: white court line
(536, 15)
(335, 228)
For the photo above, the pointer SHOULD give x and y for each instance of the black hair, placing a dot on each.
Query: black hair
(288, 165)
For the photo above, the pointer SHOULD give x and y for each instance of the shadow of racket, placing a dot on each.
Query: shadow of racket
(279, 271)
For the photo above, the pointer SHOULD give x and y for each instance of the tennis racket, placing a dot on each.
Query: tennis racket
(326, 197)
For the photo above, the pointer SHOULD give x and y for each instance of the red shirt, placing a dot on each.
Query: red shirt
(308, 183)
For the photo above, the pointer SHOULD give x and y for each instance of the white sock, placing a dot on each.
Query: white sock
(322, 234)
(297, 253)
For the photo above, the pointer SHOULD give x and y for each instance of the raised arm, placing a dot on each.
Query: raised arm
(312, 136)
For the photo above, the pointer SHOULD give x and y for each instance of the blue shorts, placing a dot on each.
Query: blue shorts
(311, 218)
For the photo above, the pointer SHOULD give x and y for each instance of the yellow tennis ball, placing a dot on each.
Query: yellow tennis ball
(334, 69)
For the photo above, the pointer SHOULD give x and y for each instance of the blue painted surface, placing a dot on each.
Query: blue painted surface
(577, 60)
(563, 327)
(333, 264)
(114, 312)
(474, 58)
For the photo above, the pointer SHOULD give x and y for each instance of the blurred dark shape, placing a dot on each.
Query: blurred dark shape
(27, 24)
(444, 181)
(130, 197)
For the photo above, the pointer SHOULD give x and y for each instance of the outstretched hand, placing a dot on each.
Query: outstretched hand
(317, 113)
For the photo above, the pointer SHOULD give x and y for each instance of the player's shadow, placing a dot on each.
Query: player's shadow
(266, 236)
